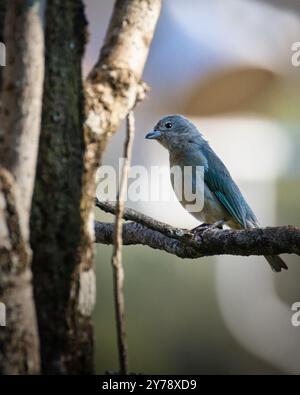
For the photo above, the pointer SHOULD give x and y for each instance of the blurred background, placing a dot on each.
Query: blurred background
(227, 65)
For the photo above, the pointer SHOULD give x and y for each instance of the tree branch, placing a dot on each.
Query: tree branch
(135, 233)
(114, 85)
(185, 244)
(133, 215)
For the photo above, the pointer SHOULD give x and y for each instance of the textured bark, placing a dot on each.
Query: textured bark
(135, 233)
(64, 287)
(114, 84)
(20, 124)
(21, 97)
(64, 280)
(206, 242)
(19, 346)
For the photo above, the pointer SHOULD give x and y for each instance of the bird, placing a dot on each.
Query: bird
(224, 203)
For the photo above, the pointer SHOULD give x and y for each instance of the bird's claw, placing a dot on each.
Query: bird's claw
(206, 227)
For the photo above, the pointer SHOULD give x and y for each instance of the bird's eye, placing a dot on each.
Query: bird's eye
(168, 125)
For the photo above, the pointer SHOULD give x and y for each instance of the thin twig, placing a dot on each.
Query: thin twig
(118, 269)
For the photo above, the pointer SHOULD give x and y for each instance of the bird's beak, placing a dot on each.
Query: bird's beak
(153, 135)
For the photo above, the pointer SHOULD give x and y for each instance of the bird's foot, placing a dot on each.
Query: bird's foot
(200, 228)
(205, 227)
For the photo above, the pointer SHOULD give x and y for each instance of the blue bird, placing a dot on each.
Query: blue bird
(223, 201)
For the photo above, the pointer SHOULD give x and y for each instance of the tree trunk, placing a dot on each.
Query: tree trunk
(62, 216)
(21, 97)
(19, 346)
(64, 285)
(20, 125)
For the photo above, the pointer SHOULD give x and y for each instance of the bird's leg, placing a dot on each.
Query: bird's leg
(218, 224)
(205, 227)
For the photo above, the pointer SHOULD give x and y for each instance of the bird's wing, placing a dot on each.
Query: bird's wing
(219, 181)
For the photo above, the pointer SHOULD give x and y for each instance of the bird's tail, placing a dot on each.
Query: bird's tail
(276, 263)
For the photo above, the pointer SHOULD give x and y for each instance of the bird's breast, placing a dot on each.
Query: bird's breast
(189, 184)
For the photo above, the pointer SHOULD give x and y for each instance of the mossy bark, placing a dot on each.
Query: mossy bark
(63, 283)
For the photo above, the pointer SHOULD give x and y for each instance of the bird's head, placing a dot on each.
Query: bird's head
(175, 132)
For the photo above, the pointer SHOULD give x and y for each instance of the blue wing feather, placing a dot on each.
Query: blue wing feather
(219, 181)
